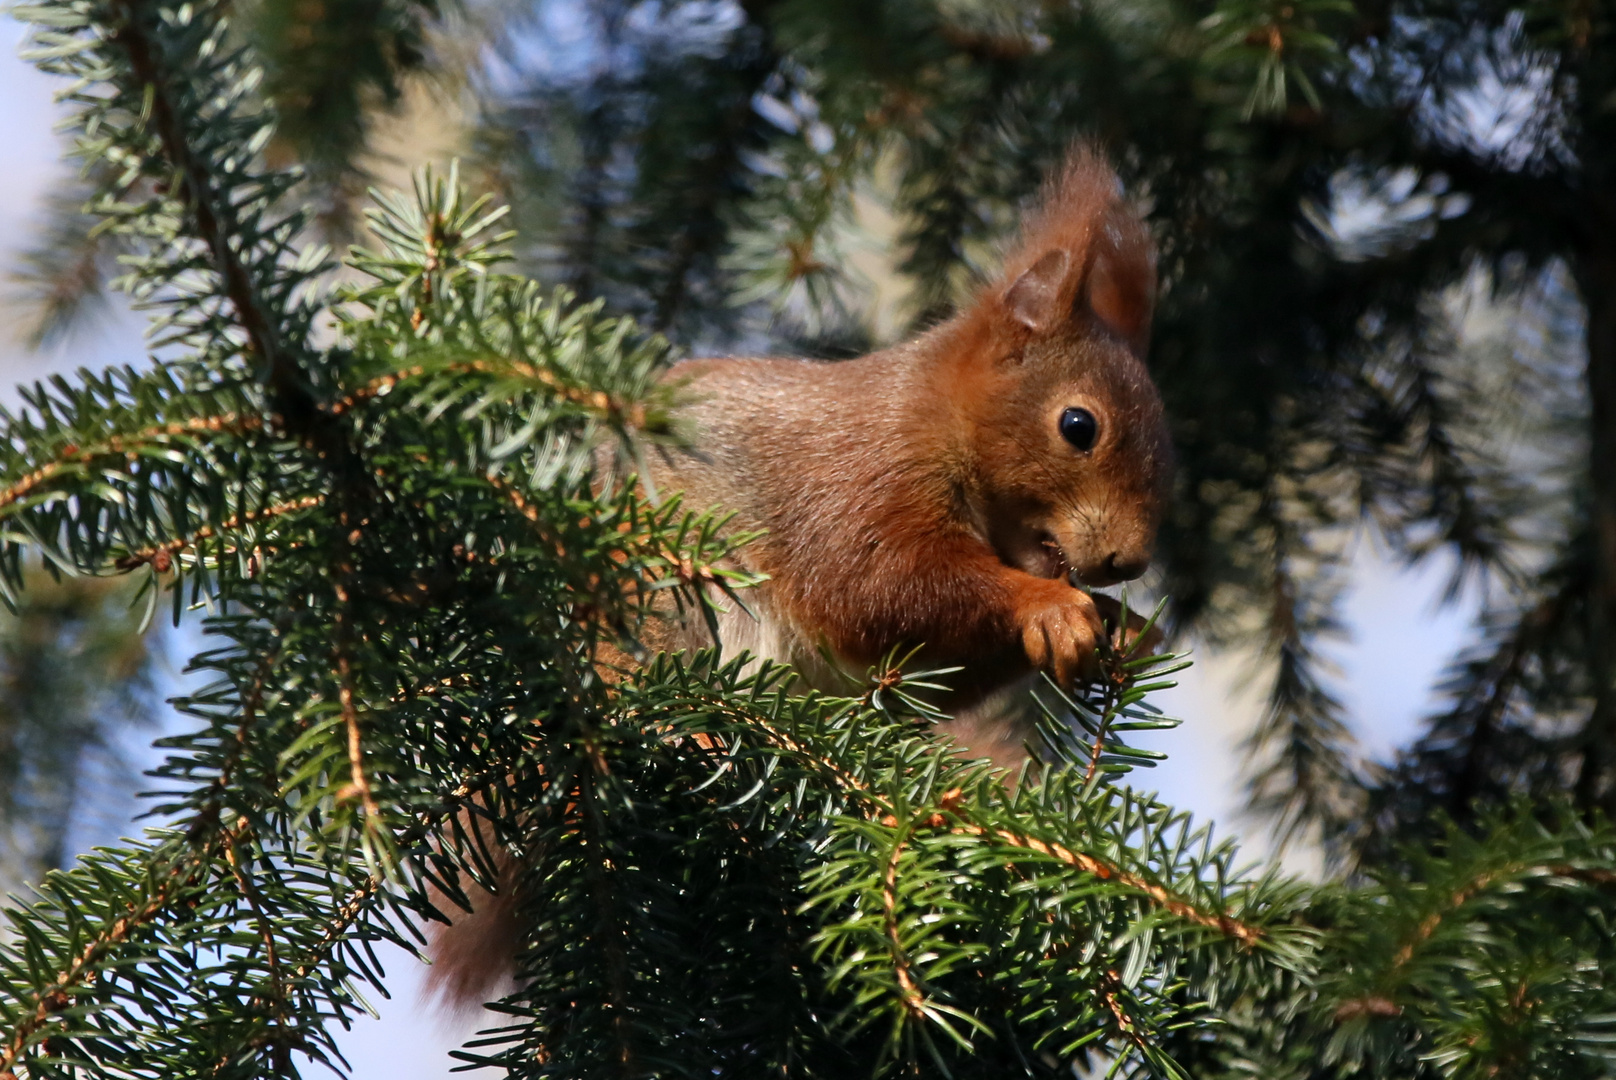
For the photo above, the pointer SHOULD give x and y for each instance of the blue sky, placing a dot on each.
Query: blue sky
(1399, 639)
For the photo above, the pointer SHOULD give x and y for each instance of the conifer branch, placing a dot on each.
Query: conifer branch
(958, 822)
(167, 883)
(611, 938)
(266, 932)
(160, 556)
(358, 781)
(359, 899)
(1591, 875)
(703, 810)
(348, 913)
(1481, 882)
(1111, 993)
(1487, 701)
(377, 387)
(124, 445)
(216, 225)
(1225, 925)
(212, 804)
(1452, 903)
(600, 402)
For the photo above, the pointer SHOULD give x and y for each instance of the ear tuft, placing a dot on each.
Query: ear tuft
(1084, 256)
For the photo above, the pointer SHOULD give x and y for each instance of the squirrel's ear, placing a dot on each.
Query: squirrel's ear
(1034, 300)
(1088, 260)
(1120, 287)
(1118, 291)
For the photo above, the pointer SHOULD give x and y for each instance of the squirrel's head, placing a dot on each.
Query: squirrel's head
(1067, 458)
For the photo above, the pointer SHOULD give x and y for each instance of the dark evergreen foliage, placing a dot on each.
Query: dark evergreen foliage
(392, 500)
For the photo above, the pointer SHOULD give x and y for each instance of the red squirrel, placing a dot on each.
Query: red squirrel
(939, 493)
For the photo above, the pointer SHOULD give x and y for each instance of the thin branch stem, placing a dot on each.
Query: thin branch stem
(913, 1001)
(159, 555)
(266, 930)
(358, 781)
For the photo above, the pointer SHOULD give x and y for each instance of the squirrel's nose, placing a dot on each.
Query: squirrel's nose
(1114, 568)
(1119, 567)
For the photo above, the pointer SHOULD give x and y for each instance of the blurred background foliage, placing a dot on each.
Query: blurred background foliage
(1388, 265)
(76, 669)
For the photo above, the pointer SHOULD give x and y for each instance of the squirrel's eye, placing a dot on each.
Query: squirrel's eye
(1079, 428)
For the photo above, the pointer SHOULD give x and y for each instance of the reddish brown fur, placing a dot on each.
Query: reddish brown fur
(907, 495)
(473, 954)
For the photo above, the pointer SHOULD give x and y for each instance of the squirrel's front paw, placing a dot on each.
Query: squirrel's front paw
(1059, 628)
